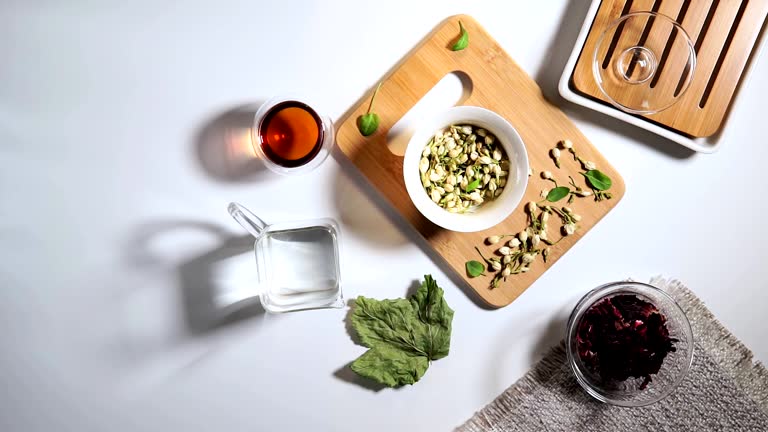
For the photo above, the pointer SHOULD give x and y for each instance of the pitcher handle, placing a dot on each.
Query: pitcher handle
(246, 219)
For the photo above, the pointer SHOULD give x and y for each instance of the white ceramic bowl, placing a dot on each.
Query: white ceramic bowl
(489, 213)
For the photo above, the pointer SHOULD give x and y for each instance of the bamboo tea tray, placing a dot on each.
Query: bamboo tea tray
(726, 35)
(500, 85)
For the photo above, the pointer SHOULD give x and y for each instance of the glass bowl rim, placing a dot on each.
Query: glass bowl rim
(612, 26)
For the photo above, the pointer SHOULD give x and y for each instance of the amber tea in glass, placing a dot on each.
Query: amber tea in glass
(291, 134)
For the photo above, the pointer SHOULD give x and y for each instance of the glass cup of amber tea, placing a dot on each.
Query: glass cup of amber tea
(291, 137)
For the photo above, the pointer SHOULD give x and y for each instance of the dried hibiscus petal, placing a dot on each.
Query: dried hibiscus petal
(623, 336)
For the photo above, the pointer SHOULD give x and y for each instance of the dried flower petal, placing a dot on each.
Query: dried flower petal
(623, 337)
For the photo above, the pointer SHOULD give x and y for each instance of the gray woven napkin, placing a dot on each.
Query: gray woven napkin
(725, 390)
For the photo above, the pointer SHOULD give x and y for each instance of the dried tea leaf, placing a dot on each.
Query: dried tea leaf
(404, 335)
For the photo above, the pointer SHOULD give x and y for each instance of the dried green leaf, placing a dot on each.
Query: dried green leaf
(404, 335)
(390, 366)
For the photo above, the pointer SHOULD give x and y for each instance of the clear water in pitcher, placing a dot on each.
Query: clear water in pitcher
(299, 269)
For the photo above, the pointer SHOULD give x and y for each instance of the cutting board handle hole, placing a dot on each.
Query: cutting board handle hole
(452, 89)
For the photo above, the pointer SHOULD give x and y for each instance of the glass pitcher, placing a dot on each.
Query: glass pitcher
(297, 262)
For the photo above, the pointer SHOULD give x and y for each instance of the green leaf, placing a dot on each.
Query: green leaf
(598, 180)
(463, 40)
(432, 310)
(368, 123)
(475, 268)
(390, 366)
(472, 185)
(404, 335)
(558, 193)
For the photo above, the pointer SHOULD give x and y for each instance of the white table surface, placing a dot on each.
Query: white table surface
(114, 187)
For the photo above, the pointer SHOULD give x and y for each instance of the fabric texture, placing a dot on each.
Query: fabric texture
(725, 390)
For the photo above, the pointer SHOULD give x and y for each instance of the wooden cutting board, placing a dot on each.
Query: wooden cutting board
(500, 85)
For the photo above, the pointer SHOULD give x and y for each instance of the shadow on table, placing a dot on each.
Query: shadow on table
(217, 287)
(224, 146)
(548, 77)
(553, 334)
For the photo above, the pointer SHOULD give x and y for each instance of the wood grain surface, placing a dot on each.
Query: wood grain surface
(724, 33)
(500, 85)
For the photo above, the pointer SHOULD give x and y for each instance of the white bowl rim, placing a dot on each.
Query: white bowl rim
(490, 213)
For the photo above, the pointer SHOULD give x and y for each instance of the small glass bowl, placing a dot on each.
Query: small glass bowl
(674, 368)
(327, 137)
(644, 62)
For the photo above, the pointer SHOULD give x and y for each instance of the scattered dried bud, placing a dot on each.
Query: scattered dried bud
(493, 239)
(528, 258)
(423, 165)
